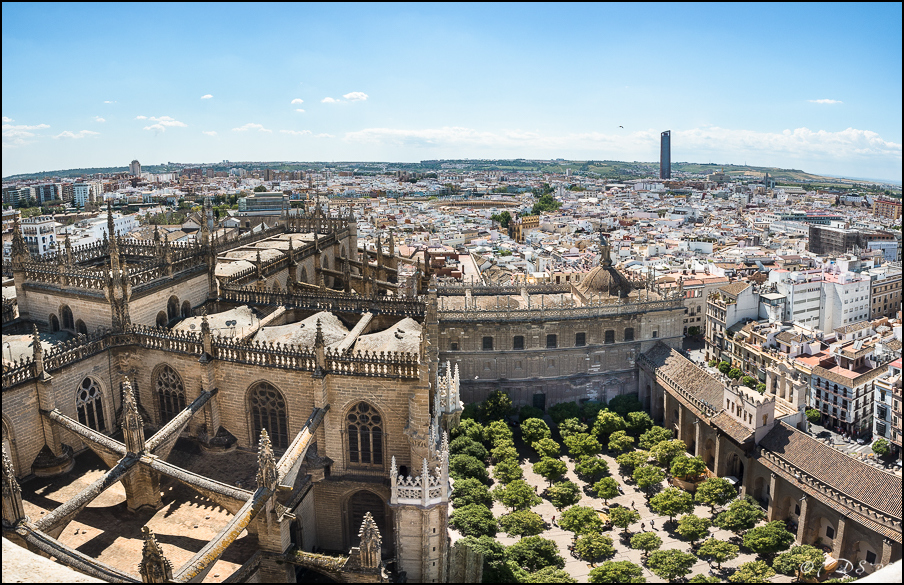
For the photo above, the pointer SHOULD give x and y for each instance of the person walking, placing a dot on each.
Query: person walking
(554, 521)
(643, 526)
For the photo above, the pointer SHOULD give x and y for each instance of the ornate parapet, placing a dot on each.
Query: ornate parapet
(587, 311)
(428, 489)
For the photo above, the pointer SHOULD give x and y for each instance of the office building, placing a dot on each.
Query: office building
(665, 155)
(135, 168)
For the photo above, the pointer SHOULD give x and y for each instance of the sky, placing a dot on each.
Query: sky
(809, 86)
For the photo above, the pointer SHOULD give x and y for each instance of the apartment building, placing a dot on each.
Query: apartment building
(887, 413)
(885, 291)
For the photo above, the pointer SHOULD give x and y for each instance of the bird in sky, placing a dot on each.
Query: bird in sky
(621, 126)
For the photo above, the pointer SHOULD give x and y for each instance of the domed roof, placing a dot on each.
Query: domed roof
(605, 280)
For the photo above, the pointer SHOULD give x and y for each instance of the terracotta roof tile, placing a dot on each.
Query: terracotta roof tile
(731, 427)
(875, 487)
(735, 288)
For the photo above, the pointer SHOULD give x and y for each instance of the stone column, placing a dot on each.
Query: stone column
(802, 520)
(838, 545)
(718, 464)
(698, 438)
(773, 509)
(886, 551)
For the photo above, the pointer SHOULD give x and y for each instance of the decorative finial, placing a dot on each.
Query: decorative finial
(154, 567)
(266, 463)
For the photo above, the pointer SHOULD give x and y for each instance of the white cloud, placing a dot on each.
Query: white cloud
(79, 134)
(19, 134)
(356, 96)
(329, 100)
(324, 136)
(299, 110)
(296, 132)
(206, 96)
(251, 126)
(109, 101)
(141, 117)
(298, 101)
(99, 119)
(162, 123)
(825, 101)
(209, 132)
(5, 119)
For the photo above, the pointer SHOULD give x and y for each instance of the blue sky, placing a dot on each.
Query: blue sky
(816, 87)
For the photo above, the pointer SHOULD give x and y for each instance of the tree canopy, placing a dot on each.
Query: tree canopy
(546, 448)
(582, 445)
(606, 489)
(623, 517)
(715, 491)
(593, 547)
(670, 564)
(571, 426)
(474, 520)
(534, 553)
(581, 520)
(470, 491)
(522, 523)
(497, 406)
(666, 451)
(507, 471)
(687, 468)
(671, 502)
(563, 411)
(638, 423)
(607, 422)
(653, 437)
(564, 494)
(768, 539)
(516, 495)
(648, 478)
(717, 551)
(591, 467)
(534, 429)
(803, 561)
(646, 541)
(625, 403)
(463, 466)
(693, 527)
(620, 441)
(631, 460)
(742, 514)
(753, 572)
(617, 572)
(550, 469)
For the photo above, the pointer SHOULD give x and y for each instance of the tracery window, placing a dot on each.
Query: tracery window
(268, 411)
(365, 435)
(89, 405)
(68, 321)
(170, 394)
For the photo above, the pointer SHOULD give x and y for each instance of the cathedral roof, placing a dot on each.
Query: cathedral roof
(605, 280)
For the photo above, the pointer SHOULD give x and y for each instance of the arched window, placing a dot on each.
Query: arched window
(268, 411)
(81, 328)
(629, 334)
(89, 404)
(186, 309)
(303, 276)
(360, 504)
(172, 307)
(161, 319)
(66, 318)
(609, 336)
(365, 435)
(54, 323)
(170, 394)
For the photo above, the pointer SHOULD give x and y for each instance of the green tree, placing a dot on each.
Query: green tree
(617, 572)
(527, 411)
(638, 423)
(550, 469)
(582, 445)
(753, 572)
(571, 426)
(592, 547)
(471, 429)
(260, 189)
(544, 204)
(516, 495)
(534, 553)
(670, 564)
(544, 575)
(742, 514)
(497, 406)
(591, 409)
(749, 381)
(717, 551)
(495, 569)
(581, 520)
(607, 422)
(534, 429)
(465, 446)
(665, 451)
(502, 218)
(469, 491)
(564, 494)
(625, 403)
(546, 448)
(768, 539)
(507, 471)
(802, 561)
(564, 411)
(701, 578)
(591, 467)
(671, 502)
(632, 460)
(648, 478)
(735, 373)
(620, 441)
(462, 466)
(504, 452)
(623, 517)
(724, 367)
(813, 416)
(693, 527)
(715, 491)
(687, 468)
(474, 520)
(497, 432)
(881, 447)
(646, 541)
(522, 523)
(606, 489)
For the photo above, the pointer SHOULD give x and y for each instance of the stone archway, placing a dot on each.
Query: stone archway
(709, 454)
(161, 319)
(186, 309)
(735, 467)
(356, 507)
(172, 308)
(54, 323)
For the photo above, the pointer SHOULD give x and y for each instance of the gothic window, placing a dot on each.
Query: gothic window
(359, 504)
(172, 308)
(365, 435)
(81, 328)
(629, 334)
(89, 405)
(161, 319)
(518, 342)
(551, 341)
(268, 411)
(54, 324)
(170, 394)
(66, 318)
(609, 336)
(580, 339)
(186, 309)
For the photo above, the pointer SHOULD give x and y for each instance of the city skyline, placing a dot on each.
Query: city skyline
(402, 83)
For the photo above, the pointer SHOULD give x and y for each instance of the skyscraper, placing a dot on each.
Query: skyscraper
(665, 156)
(135, 168)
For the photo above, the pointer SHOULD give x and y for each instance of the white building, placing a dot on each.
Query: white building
(40, 234)
(83, 193)
(844, 299)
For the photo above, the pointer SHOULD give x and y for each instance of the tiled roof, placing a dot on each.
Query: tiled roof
(877, 488)
(731, 427)
(853, 327)
(832, 375)
(735, 288)
(684, 372)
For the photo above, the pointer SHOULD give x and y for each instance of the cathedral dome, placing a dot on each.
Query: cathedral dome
(607, 281)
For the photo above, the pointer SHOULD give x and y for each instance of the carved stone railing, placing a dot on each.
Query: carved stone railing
(478, 288)
(9, 310)
(385, 365)
(331, 301)
(18, 372)
(273, 355)
(184, 342)
(542, 312)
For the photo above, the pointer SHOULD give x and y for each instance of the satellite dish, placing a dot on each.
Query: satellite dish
(192, 326)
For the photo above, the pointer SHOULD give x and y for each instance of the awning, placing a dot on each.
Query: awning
(731, 479)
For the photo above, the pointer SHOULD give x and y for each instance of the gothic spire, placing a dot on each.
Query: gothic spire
(154, 567)
(13, 509)
(266, 463)
(370, 542)
(132, 427)
(19, 251)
